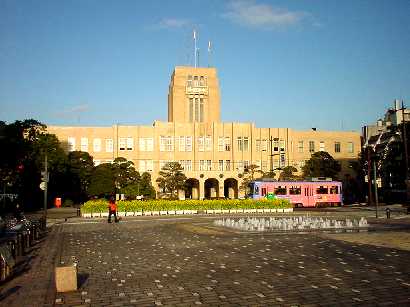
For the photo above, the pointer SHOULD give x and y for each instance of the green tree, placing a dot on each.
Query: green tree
(321, 164)
(288, 173)
(80, 170)
(269, 174)
(102, 181)
(249, 175)
(171, 178)
(146, 186)
(124, 173)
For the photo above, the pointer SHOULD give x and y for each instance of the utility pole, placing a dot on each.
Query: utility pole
(369, 176)
(375, 188)
(271, 154)
(45, 180)
(406, 160)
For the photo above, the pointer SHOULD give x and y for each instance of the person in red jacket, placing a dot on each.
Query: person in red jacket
(112, 210)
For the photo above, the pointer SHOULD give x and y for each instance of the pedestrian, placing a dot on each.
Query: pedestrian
(112, 210)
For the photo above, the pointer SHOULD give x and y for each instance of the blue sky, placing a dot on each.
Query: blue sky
(299, 64)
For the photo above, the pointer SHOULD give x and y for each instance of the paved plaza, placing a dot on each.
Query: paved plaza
(187, 261)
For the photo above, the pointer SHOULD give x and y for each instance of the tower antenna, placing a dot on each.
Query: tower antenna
(209, 53)
(195, 50)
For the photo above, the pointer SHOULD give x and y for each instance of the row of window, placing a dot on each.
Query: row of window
(204, 144)
(203, 165)
(337, 147)
(195, 81)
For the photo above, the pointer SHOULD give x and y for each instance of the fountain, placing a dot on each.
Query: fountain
(297, 223)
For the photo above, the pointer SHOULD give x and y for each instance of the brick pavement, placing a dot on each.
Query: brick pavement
(183, 262)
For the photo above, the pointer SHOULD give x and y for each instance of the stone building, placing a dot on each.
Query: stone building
(214, 154)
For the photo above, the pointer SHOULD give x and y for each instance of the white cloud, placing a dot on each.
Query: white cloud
(252, 14)
(172, 23)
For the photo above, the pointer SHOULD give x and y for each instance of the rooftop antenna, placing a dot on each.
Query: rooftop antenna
(209, 53)
(195, 50)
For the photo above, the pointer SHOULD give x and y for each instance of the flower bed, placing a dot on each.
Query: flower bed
(101, 205)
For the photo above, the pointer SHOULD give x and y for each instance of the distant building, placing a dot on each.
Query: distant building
(392, 118)
(213, 154)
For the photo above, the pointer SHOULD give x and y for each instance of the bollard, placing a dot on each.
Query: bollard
(388, 213)
(78, 212)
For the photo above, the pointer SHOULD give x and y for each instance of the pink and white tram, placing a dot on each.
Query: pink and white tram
(318, 193)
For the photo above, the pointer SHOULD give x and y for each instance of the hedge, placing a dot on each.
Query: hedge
(101, 205)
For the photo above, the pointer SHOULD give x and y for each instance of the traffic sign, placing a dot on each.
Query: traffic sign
(43, 185)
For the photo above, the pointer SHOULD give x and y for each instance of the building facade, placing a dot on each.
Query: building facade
(213, 154)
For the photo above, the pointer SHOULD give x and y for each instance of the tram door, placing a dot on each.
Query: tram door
(308, 200)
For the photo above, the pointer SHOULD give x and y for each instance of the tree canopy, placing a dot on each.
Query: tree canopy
(321, 164)
(171, 178)
(288, 173)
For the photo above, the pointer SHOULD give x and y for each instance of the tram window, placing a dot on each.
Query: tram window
(321, 190)
(280, 190)
(295, 190)
(334, 189)
(256, 190)
(263, 191)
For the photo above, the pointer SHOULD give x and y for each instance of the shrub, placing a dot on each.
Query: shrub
(101, 205)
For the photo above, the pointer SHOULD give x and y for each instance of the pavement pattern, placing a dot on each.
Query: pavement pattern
(188, 262)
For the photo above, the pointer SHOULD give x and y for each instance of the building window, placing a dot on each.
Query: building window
(201, 110)
(264, 165)
(245, 143)
(208, 143)
(227, 143)
(239, 166)
(165, 143)
(188, 143)
(350, 147)
(146, 144)
(300, 146)
(311, 146)
(228, 165)
(201, 143)
(322, 146)
(264, 145)
(146, 166)
(109, 145)
(84, 144)
(258, 164)
(258, 145)
(221, 144)
(282, 145)
(97, 145)
(181, 143)
(191, 109)
(186, 164)
(201, 165)
(123, 143)
(130, 144)
(246, 165)
(71, 143)
(337, 146)
(275, 144)
(220, 165)
(208, 165)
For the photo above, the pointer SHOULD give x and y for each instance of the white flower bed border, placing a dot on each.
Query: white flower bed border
(184, 212)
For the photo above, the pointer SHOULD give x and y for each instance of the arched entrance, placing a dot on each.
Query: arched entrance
(231, 188)
(192, 188)
(211, 188)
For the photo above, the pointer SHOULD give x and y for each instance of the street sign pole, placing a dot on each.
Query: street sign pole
(45, 190)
